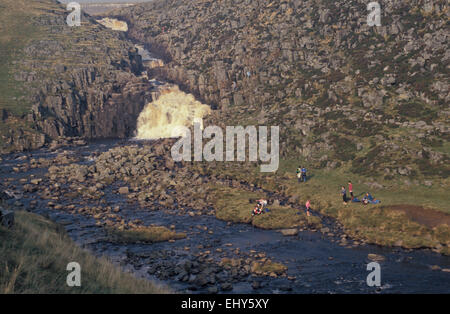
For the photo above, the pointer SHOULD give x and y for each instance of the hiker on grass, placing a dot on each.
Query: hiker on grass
(368, 198)
(304, 174)
(299, 174)
(344, 195)
(262, 203)
(350, 189)
(308, 206)
(257, 210)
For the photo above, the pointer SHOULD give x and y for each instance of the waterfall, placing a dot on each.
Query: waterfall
(173, 109)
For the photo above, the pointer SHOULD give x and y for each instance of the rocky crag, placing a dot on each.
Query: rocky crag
(74, 81)
(344, 93)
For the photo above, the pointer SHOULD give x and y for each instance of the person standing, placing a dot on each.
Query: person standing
(299, 174)
(350, 189)
(308, 206)
(344, 195)
(304, 174)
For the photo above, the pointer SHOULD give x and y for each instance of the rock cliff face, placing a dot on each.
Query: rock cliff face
(77, 82)
(343, 92)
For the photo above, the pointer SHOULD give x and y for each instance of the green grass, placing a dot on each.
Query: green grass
(236, 205)
(385, 227)
(34, 256)
(145, 234)
(324, 187)
(16, 31)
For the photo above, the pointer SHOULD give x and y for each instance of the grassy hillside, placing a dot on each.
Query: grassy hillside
(16, 32)
(35, 253)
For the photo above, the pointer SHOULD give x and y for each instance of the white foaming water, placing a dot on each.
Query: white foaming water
(173, 109)
(114, 24)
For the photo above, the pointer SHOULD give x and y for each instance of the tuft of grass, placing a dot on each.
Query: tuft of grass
(145, 234)
(34, 256)
(268, 267)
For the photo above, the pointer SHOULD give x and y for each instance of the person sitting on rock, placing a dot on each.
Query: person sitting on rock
(262, 203)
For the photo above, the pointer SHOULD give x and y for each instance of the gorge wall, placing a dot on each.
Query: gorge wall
(343, 93)
(75, 81)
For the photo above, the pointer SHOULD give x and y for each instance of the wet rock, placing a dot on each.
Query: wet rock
(289, 232)
(36, 181)
(375, 257)
(285, 288)
(201, 280)
(435, 267)
(256, 285)
(226, 286)
(124, 190)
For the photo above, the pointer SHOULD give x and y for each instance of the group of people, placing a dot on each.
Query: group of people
(261, 207)
(344, 192)
(301, 174)
(367, 199)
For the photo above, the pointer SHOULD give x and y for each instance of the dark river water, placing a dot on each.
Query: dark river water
(318, 263)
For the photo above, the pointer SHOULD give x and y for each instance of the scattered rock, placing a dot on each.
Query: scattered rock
(375, 257)
(289, 232)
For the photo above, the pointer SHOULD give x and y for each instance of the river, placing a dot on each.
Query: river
(316, 263)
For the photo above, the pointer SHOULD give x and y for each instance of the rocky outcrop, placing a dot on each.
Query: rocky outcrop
(315, 68)
(78, 82)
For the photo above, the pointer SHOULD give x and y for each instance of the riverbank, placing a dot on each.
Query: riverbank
(146, 175)
(35, 254)
(383, 224)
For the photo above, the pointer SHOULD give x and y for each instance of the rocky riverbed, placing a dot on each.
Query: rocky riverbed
(215, 256)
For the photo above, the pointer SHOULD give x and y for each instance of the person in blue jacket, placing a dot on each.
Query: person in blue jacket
(304, 174)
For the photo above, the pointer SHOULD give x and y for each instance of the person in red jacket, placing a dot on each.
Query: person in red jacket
(350, 189)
